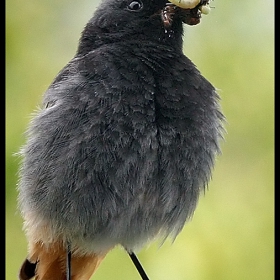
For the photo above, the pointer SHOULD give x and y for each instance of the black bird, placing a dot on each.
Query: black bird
(124, 143)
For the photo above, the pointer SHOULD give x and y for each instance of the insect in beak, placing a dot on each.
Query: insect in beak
(189, 10)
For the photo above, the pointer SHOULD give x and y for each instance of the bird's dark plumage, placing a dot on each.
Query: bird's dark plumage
(124, 143)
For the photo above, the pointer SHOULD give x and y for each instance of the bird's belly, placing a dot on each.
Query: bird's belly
(141, 192)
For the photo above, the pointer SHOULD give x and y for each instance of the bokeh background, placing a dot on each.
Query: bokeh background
(231, 235)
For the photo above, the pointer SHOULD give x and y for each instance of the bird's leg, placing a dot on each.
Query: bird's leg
(68, 262)
(138, 266)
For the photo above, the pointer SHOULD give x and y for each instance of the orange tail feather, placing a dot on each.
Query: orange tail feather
(49, 263)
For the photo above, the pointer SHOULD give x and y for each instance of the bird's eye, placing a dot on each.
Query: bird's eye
(135, 6)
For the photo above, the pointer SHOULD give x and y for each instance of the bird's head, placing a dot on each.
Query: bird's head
(161, 20)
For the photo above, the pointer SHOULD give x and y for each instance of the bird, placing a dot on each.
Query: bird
(123, 143)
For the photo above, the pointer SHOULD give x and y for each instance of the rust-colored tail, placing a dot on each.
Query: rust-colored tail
(49, 263)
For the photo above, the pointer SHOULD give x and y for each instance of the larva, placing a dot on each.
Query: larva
(185, 4)
(190, 4)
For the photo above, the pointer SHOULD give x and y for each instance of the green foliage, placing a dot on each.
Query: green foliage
(231, 235)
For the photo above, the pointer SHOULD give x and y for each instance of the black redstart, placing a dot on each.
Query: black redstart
(123, 144)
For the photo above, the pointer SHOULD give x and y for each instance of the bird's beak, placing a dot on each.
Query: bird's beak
(190, 16)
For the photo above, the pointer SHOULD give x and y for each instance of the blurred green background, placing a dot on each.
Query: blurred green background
(231, 235)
